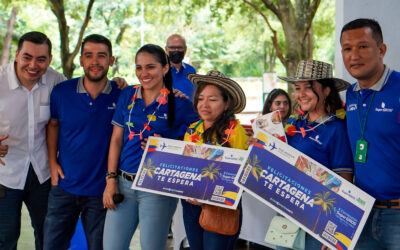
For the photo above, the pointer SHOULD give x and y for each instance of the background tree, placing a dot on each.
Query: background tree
(5, 54)
(67, 57)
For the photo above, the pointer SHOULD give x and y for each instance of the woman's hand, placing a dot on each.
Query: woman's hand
(194, 202)
(144, 142)
(109, 191)
(251, 140)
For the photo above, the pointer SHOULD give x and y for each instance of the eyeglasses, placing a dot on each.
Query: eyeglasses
(176, 48)
(278, 103)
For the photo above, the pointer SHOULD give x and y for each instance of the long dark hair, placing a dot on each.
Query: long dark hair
(222, 122)
(160, 56)
(270, 99)
(332, 101)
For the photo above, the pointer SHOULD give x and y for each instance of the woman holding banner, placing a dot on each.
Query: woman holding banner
(319, 130)
(142, 110)
(217, 99)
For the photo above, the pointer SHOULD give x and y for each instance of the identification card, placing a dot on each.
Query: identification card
(361, 151)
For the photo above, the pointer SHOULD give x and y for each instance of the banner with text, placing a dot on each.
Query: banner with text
(186, 170)
(324, 204)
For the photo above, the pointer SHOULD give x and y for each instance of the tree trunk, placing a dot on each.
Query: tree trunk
(7, 41)
(67, 57)
(118, 42)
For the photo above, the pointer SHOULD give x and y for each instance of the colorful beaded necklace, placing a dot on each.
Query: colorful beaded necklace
(195, 137)
(146, 126)
(291, 130)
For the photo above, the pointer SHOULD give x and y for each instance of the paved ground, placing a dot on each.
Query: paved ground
(26, 240)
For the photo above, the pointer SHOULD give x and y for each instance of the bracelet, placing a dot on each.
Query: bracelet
(110, 175)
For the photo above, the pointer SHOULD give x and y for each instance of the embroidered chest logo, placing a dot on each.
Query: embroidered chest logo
(316, 139)
(352, 107)
(164, 116)
(112, 107)
(383, 108)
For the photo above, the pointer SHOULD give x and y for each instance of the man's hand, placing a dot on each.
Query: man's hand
(179, 94)
(56, 172)
(109, 191)
(3, 149)
(121, 83)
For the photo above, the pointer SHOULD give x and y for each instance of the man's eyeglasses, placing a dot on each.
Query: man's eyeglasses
(176, 48)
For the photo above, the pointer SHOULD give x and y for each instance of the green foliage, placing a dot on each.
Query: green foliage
(225, 35)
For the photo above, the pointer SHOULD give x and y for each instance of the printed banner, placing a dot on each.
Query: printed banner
(186, 170)
(271, 123)
(324, 204)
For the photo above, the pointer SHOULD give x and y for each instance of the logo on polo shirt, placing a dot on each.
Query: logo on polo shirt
(113, 106)
(383, 108)
(352, 107)
(316, 139)
(164, 116)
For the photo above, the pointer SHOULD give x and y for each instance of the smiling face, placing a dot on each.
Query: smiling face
(210, 105)
(96, 60)
(311, 98)
(362, 55)
(31, 62)
(150, 72)
(280, 103)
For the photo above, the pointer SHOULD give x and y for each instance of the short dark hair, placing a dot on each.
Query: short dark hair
(365, 22)
(96, 38)
(270, 99)
(35, 37)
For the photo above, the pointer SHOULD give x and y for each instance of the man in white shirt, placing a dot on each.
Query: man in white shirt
(25, 87)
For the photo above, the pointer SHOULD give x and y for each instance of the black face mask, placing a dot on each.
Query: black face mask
(176, 56)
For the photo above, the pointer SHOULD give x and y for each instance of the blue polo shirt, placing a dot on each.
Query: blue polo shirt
(327, 143)
(180, 80)
(84, 135)
(131, 153)
(379, 176)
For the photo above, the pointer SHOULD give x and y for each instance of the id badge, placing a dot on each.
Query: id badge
(361, 151)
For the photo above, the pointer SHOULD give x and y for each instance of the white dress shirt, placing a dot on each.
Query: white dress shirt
(24, 115)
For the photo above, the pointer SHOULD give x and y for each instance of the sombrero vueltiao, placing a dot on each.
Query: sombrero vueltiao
(309, 70)
(219, 79)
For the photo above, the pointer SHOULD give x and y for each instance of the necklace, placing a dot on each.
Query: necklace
(195, 136)
(291, 130)
(146, 126)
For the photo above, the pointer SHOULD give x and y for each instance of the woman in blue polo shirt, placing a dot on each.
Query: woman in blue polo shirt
(320, 130)
(217, 99)
(142, 110)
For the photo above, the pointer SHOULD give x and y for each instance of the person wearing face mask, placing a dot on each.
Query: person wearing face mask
(176, 50)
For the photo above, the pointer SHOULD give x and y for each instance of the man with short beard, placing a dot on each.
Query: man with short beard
(78, 136)
(176, 50)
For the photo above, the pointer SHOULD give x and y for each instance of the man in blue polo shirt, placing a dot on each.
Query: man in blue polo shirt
(176, 50)
(373, 123)
(78, 136)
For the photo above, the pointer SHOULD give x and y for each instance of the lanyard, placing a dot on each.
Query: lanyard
(362, 126)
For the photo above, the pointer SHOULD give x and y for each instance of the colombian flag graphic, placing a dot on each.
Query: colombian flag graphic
(230, 197)
(153, 145)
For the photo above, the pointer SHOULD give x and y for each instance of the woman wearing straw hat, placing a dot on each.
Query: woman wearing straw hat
(142, 110)
(320, 130)
(217, 99)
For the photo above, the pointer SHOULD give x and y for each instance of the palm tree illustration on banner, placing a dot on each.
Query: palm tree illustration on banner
(325, 203)
(256, 169)
(149, 168)
(212, 173)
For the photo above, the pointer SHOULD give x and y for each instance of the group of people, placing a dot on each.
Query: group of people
(88, 134)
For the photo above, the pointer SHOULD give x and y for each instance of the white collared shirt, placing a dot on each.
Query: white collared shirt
(24, 115)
